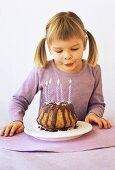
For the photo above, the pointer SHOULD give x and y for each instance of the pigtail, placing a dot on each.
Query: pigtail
(93, 51)
(40, 58)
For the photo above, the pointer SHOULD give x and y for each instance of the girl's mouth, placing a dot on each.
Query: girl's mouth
(69, 64)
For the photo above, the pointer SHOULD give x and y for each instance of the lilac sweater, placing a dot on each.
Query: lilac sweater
(86, 90)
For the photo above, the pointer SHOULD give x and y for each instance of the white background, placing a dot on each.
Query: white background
(22, 25)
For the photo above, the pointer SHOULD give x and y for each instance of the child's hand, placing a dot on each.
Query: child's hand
(92, 117)
(12, 128)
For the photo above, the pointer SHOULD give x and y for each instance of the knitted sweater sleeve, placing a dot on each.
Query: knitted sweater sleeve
(96, 102)
(24, 96)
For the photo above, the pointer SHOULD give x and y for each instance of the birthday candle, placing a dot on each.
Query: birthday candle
(61, 89)
(48, 97)
(57, 91)
(69, 96)
(46, 91)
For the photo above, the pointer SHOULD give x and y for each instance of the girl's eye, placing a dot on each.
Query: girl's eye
(58, 51)
(75, 49)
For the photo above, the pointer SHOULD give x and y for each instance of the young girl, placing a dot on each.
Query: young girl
(66, 38)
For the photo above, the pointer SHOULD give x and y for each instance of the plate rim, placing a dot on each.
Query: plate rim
(53, 137)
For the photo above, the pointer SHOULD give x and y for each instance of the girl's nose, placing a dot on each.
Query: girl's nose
(67, 56)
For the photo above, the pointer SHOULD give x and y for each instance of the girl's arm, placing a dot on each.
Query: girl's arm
(96, 103)
(19, 104)
(24, 96)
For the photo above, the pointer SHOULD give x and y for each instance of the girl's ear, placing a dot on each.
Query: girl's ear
(85, 43)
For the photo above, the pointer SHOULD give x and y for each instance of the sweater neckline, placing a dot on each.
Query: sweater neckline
(68, 74)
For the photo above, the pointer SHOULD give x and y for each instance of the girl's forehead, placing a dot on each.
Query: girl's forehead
(73, 41)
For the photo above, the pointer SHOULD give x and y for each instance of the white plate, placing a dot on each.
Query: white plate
(33, 130)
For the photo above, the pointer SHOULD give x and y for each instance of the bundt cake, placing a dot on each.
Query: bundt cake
(55, 116)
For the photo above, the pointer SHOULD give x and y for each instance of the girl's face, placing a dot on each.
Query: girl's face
(68, 54)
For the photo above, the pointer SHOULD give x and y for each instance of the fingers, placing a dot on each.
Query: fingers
(99, 122)
(11, 129)
(1, 132)
(21, 129)
(102, 123)
(106, 124)
(94, 119)
(5, 131)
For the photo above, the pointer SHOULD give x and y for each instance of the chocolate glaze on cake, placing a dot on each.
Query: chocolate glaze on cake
(55, 116)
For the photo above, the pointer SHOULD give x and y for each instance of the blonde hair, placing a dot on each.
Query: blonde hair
(63, 26)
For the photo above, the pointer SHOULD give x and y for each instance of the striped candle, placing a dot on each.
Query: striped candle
(69, 95)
